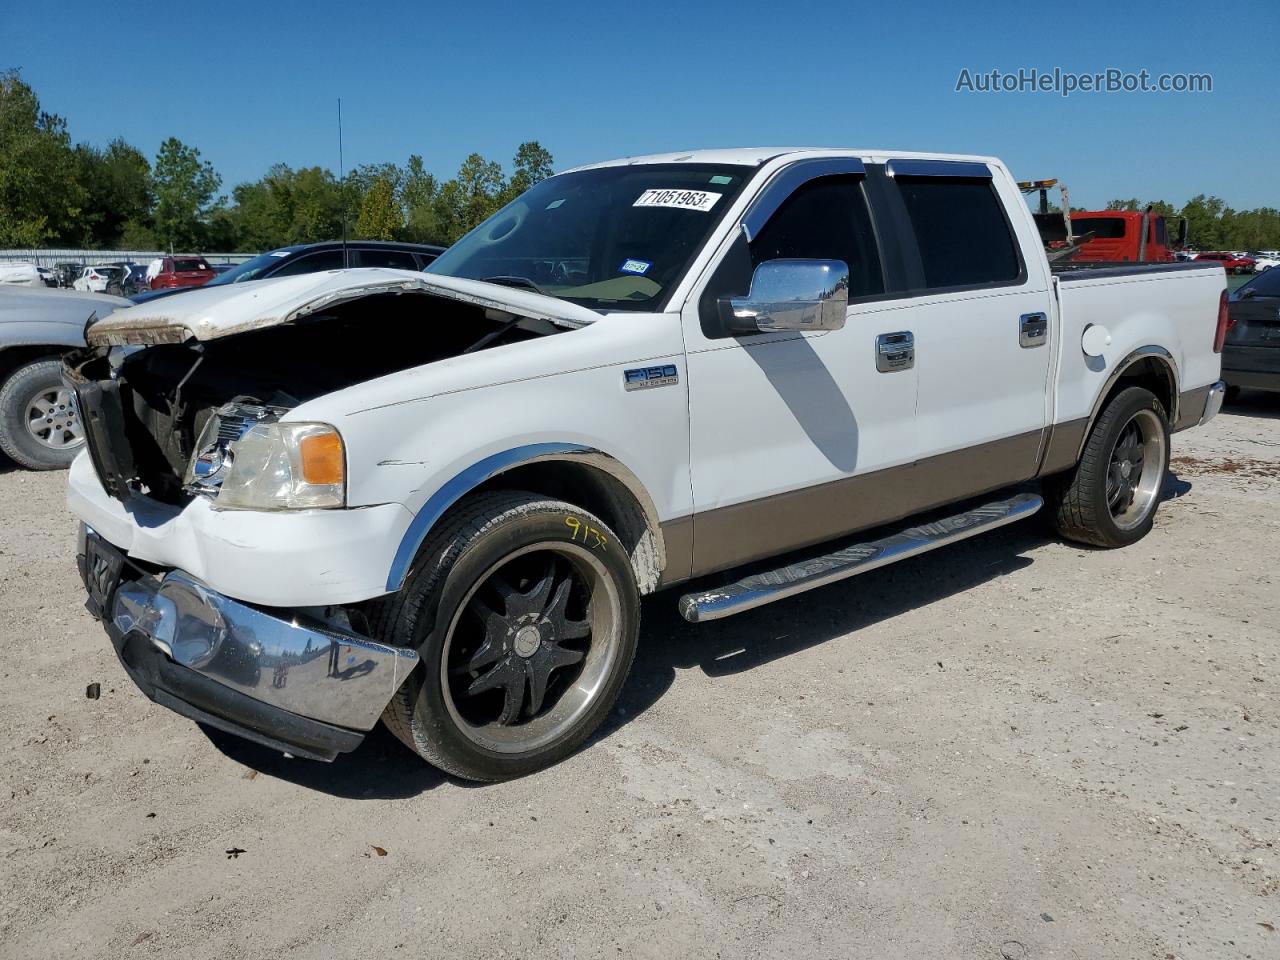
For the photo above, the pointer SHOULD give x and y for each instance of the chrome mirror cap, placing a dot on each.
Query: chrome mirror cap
(791, 295)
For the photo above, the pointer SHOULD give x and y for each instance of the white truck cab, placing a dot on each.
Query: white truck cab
(450, 488)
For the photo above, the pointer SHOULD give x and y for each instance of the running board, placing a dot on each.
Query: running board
(761, 588)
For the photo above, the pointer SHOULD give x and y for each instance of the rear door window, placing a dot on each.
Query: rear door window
(961, 231)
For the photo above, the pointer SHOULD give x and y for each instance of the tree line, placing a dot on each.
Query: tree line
(54, 192)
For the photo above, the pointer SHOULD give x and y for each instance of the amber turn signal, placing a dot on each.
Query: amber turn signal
(322, 460)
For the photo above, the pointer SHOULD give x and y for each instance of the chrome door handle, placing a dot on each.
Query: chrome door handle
(895, 351)
(1033, 330)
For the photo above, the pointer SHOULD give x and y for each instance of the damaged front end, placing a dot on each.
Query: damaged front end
(217, 553)
(207, 415)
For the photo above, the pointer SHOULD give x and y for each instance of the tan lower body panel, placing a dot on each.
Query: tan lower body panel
(729, 536)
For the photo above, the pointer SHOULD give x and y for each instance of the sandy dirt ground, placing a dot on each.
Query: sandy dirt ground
(1013, 748)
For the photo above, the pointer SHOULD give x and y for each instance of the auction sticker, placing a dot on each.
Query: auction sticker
(699, 200)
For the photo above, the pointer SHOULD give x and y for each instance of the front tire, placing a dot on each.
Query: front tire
(525, 613)
(1110, 498)
(39, 427)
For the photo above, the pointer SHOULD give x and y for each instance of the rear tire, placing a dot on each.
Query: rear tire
(29, 437)
(1109, 499)
(525, 613)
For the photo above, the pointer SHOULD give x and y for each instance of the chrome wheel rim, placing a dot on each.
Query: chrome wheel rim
(531, 646)
(52, 419)
(1136, 469)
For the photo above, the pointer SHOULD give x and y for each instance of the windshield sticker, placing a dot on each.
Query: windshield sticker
(722, 180)
(554, 203)
(279, 253)
(640, 267)
(699, 200)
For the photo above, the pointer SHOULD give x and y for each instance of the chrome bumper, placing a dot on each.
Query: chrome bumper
(1213, 402)
(301, 667)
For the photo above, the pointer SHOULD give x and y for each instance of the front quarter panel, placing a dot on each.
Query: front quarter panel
(409, 435)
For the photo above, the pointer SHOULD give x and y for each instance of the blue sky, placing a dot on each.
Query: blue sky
(252, 84)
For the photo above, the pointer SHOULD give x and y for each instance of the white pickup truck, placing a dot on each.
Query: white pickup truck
(438, 497)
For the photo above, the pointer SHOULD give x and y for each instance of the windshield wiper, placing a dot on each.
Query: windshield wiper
(513, 281)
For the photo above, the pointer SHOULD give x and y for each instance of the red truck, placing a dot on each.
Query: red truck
(1126, 235)
(182, 272)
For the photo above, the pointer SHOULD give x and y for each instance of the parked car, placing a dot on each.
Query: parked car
(315, 257)
(39, 428)
(20, 275)
(1265, 260)
(100, 279)
(440, 495)
(68, 273)
(182, 272)
(1251, 356)
(1231, 262)
(47, 276)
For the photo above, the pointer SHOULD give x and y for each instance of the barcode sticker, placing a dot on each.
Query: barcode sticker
(699, 200)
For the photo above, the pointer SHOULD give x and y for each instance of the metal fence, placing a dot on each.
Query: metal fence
(53, 257)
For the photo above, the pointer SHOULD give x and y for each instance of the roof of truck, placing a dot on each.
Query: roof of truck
(755, 156)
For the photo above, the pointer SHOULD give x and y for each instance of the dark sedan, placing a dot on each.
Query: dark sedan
(314, 258)
(1251, 353)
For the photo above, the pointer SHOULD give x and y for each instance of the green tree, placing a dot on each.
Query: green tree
(418, 191)
(533, 164)
(40, 196)
(185, 187)
(117, 185)
(468, 199)
(380, 215)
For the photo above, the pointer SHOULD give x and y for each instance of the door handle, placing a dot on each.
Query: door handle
(895, 351)
(1033, 330)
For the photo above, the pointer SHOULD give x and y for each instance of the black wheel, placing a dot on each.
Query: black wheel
(525, 613)
(39, 427)
(1110, 498)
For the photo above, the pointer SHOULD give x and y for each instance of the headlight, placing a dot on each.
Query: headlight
(285, 466)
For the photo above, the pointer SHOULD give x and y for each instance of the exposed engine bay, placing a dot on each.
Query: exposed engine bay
(163, 420)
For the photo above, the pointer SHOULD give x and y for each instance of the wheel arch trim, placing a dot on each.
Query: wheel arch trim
(1148, 352)
(463, 482)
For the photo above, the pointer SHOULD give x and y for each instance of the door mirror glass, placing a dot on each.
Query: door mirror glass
(790, 295)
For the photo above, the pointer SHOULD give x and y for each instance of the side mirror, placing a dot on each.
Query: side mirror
(790, 295)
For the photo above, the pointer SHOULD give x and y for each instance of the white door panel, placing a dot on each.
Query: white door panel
(778, 414)
(977, 384)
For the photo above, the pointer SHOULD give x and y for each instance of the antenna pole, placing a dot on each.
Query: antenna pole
(342, 185)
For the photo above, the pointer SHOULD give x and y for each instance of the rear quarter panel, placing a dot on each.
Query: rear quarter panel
(1175, 310)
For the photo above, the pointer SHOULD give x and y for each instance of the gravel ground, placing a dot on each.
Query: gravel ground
(1011, 748)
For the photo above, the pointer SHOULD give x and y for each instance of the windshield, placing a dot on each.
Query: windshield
(249, 270)
(613, 238)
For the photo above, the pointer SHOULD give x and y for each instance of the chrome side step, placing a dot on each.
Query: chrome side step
(761, 588)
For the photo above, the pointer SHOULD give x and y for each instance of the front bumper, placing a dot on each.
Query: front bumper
(271, 676)
(287, 558)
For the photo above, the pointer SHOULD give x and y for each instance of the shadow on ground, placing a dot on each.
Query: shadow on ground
(1254, 403)
(382, 768)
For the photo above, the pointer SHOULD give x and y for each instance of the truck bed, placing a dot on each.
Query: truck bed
(1093, 270)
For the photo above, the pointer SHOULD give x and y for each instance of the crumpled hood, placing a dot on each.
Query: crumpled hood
(213, 312)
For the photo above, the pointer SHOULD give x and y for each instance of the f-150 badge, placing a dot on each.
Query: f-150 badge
(642, 378)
